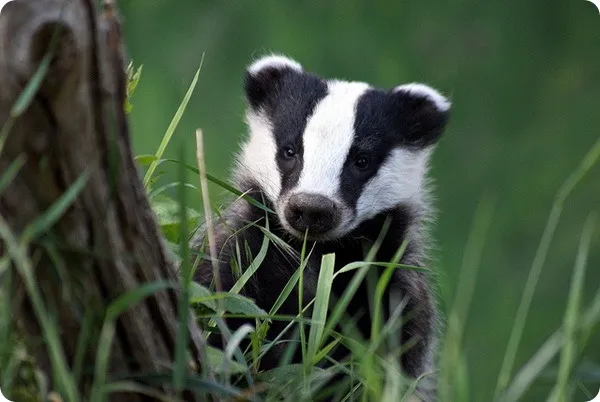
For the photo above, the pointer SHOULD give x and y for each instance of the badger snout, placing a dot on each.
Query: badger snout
(314, 212)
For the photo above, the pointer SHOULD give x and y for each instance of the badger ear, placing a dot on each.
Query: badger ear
(263, 76)
(424, 113)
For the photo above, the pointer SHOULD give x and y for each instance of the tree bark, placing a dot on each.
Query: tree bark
(107, 242)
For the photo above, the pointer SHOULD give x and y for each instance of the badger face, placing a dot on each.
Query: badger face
(333, 154)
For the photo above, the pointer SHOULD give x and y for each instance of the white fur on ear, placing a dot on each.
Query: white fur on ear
(415, 88)
(273, 61)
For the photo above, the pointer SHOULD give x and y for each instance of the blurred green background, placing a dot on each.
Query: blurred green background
(524, 78)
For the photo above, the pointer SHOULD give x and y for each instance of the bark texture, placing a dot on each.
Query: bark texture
(108, 241)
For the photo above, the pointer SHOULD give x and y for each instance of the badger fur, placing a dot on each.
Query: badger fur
(334, 160)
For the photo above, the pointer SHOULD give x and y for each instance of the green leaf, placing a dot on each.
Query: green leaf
(238, 304)
(167, 210)
(288, 380)
(168, 214)
(216, 357)
(133, 78)
(201, 294)
(233, 303)
(145, 160)
(283, 374)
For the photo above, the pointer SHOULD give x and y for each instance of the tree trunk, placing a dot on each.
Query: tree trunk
(107, 242)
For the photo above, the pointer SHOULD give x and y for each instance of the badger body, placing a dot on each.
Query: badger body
(342, 164)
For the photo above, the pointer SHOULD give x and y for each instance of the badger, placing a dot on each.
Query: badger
(333, 161)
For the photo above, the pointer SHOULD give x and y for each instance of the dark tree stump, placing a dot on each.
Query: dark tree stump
(108, 241)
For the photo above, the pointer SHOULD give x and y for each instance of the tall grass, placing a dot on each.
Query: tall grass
(233, 373)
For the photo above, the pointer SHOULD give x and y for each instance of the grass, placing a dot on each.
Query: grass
(372, 374)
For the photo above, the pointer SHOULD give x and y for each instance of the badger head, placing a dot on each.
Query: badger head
(330, 154)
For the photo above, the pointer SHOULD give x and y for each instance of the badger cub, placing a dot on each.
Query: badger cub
(337, 161)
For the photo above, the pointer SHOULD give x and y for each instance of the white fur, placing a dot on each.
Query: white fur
(273, 61)
(426, 91)
(401, 179)
(327, 140)
(258, 155)
(328, 137)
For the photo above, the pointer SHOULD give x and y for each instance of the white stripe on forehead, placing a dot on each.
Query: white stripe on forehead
(328, 137)
(258, 155)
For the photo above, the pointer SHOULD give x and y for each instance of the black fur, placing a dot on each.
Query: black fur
(384, 120)
(287, 97)
(278, 266)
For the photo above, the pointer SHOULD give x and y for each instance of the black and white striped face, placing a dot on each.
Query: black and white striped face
(332, 154)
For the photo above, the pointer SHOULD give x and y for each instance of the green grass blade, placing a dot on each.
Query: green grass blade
(149, 159)
(464, 293)
(567, 357)
(224, 186)
(382, 284)
(590, 319)
(301, 331)
(114, 310)
(253, 267)
(11, 172)
(360, 264)
(321, 306)
(340, 306)
(534, 367)
(287, 289)
(101, 365)
(180, 364)
(33, 85)
(26, 97)
(530, 371)
(326, 349)
(298, 318)
(56, 210)
(132, 297)
(83, 340)
(590, 159)
(172, 126)
(168, 186)
(60, 369)
(233, 348)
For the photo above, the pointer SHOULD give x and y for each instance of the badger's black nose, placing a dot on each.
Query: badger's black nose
(314, 212)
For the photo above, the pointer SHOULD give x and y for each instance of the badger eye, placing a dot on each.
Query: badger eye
(361, 162)
(288, 153)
